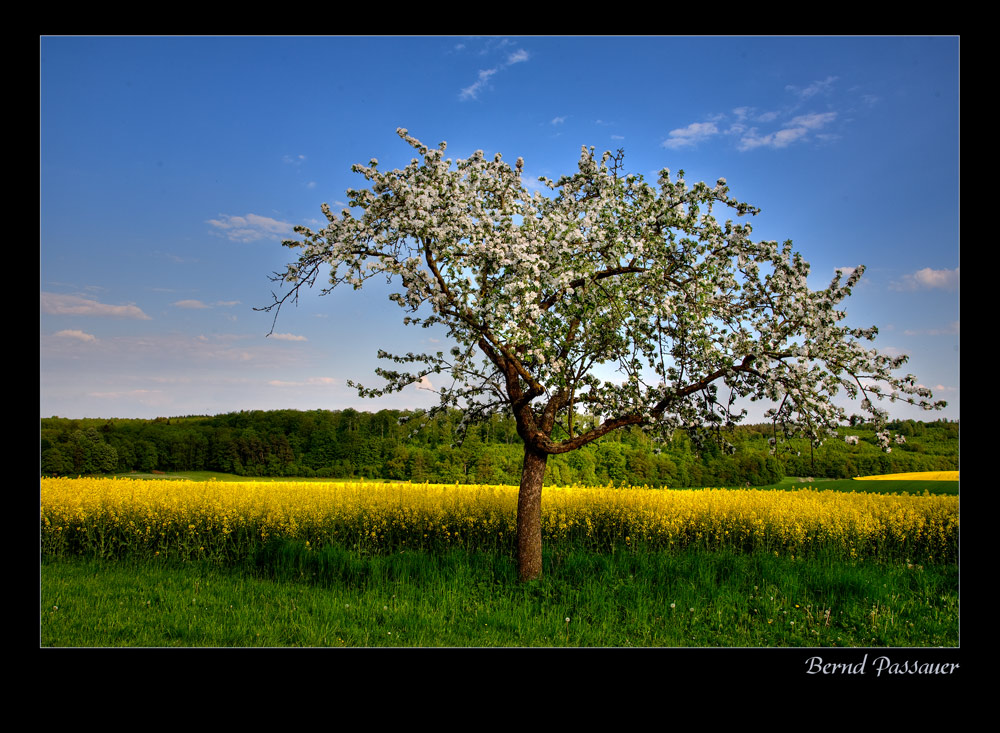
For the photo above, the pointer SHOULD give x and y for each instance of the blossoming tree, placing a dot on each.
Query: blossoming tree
(605, 297)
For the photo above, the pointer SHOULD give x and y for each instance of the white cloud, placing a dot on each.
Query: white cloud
(75, 334)
(191, 304)
(927, 279)
(310, 382)
(72, 305)
(288, 337)
(789, 135)
(817, 87)
(558, 120)
(472, 91)
(813, 121)
(796, 129)
(424, 383)
(518, 56)
(744, 114)
(194, 304)
(691, 135)
(764, 134)
(250, 227)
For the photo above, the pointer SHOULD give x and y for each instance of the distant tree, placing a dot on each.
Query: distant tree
(90, 454)
(542, 293)
(56, 461)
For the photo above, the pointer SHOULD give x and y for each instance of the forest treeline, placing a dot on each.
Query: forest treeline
(352, 444)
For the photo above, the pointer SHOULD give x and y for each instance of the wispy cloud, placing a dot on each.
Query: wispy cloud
(949, 330)
(287, 337)
(76, 334)
(517, 57)
(813, 121)
(798, 128)
(754, 128)
(817, 87)
(691, 135)
(310, 382)
(194, 304)
(742, 117)
(472, 91)
(191, 304)
(558, 120)
(928, 279)
(482, 80)
(140, 394)
(250, 227)
(72, 305)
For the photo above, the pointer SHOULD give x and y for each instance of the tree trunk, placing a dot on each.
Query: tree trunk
(529, 515)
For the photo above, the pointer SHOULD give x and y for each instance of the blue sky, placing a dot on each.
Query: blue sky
(172, 168)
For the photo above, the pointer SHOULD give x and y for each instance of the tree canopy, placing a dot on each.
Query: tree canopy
(539, 291)
(605, 295)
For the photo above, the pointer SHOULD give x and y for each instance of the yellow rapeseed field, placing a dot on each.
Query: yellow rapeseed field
(227, 521)
(915, 476)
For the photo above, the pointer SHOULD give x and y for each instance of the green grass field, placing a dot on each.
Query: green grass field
(461, 599)
(871, 487)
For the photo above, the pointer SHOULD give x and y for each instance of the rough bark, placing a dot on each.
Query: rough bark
(529, 515)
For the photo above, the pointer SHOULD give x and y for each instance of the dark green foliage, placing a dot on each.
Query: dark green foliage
(352, 444)
(83, 450)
